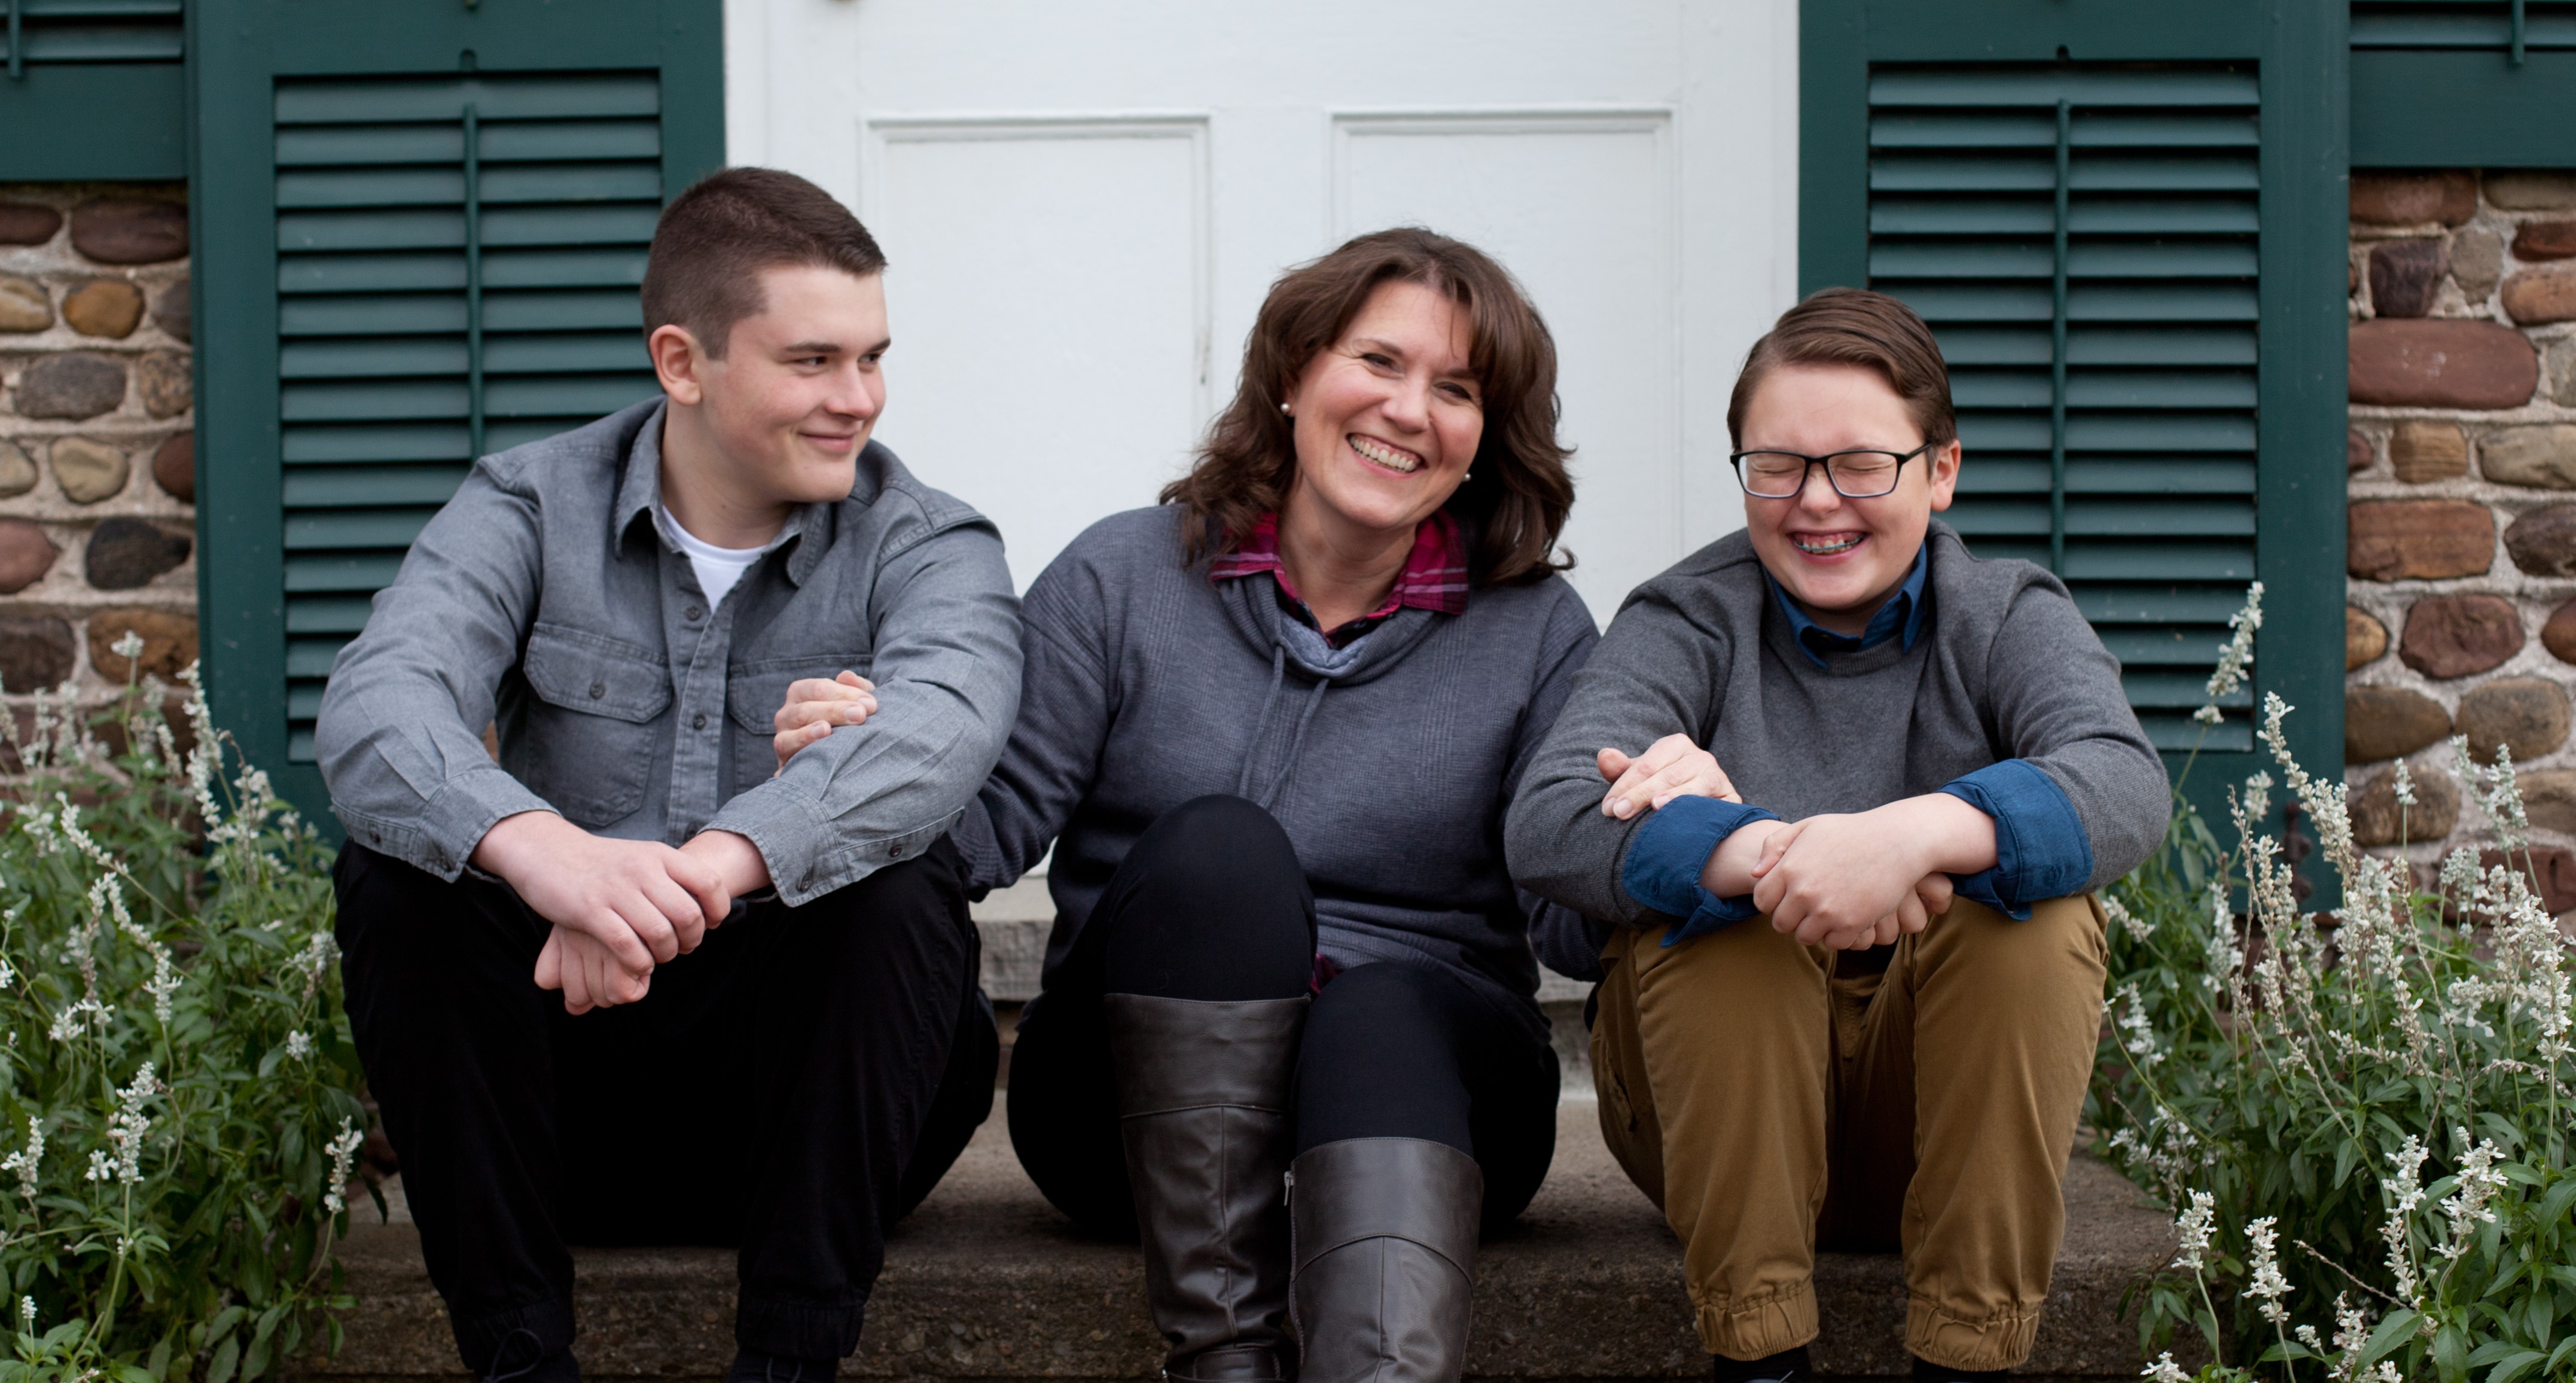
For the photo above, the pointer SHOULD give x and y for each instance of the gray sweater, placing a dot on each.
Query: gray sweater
(1388, 762)
(2006, 668)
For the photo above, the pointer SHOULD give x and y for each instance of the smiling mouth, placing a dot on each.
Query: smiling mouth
(1826, 544)
(1395, 459)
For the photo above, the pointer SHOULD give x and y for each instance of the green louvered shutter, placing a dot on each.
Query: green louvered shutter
(423, 267)
(92, 90)
(2084, 243)
(2125, 224)
(457, 269)
(2499, 73)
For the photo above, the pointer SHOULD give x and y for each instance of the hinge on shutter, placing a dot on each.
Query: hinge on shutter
(2518, 33)
(17, 42)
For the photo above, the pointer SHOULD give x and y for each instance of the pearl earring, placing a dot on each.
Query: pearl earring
(1285, 409)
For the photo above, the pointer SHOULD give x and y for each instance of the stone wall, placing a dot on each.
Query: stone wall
(2462, 589)
(97, 465)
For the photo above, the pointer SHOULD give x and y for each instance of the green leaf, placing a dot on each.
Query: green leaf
(2395, 1328)
(2451, 1354)
(227, 1358)
(2514, 1365)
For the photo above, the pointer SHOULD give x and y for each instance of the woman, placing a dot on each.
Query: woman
(1271, 727)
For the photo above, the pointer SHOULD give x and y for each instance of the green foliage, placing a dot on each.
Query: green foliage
(2361, 1116)
(177, 1085)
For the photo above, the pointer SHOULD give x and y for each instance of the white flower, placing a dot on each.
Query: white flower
(2268, 1283)
(2192, 1227)
(2466, 1208)
(2404, 784)
(2165, 1370)
(2138, 1032)
(129, 646)
(2137, 927)
(25, 1161)
(343, 1146)
(298, 1045)
(126, 1128)
(2235, 655)
(101, 1166)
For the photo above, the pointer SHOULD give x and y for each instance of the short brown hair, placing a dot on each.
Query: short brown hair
(1854, 326)
(1516, 502)
(713, 240)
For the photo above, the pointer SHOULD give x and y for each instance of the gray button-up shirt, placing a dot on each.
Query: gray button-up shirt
(549, 597)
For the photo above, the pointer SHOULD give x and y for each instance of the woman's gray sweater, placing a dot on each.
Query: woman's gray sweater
(1390, 762)
(2006, 668)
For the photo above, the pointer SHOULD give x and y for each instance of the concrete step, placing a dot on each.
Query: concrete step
(986, 1281)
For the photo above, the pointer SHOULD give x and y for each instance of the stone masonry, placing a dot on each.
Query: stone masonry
(2461, 593)
(97, 464)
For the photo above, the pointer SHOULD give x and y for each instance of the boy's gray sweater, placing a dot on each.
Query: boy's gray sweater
(1389, 763)
(2005, 668)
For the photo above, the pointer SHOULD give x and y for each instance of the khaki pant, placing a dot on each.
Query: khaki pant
(1769, 1100)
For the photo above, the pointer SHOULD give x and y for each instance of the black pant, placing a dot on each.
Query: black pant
(1212, 905)
(790, 1088)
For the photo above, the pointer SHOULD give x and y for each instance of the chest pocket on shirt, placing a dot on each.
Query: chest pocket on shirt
(591, 740)
(754, 692)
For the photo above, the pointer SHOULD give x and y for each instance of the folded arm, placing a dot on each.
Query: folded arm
(945, 633)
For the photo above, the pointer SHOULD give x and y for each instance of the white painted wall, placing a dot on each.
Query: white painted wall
(1085, 200)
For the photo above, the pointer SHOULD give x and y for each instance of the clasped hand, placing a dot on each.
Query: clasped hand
(619, 907)
(1847, 881)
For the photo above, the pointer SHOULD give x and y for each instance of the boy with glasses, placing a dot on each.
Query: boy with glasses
(1854, 1004)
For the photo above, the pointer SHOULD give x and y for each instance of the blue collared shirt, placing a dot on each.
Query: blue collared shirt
(2042, 850)
(1903, 613)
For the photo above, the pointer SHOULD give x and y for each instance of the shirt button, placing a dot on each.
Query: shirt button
(894, 852)
(693, 612)
(698, 721)
(598, 690)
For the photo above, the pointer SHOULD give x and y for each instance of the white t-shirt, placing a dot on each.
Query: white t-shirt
(718, 567)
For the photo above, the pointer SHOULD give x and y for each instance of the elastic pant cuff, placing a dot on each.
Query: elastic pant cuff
(527, 1333)
(1758, 1326)
(798, 1330)
(2002, 1340)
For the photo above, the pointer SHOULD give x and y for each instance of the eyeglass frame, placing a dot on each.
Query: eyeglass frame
(1735, 461)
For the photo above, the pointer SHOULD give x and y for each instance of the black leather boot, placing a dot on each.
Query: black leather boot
(1203, 1110)
(1386, 1253)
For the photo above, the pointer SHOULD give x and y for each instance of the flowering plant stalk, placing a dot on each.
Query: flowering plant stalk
(2362, 1116)
(178, 1089)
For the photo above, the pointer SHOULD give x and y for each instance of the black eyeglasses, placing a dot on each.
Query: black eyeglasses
(1853, 474)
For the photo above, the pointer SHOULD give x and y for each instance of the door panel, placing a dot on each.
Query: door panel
(1049, 295)
(1580, 207)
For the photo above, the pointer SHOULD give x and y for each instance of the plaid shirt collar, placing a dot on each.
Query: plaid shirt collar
(1434, 575)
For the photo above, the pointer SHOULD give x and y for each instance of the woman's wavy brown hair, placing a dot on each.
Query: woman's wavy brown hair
(1514, 505)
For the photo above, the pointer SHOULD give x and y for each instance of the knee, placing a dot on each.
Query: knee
(2060, 948)
(1216, 842)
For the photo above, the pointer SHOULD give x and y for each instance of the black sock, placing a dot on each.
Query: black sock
(752, 1366)
(1783, 1367)
(1926, 1372)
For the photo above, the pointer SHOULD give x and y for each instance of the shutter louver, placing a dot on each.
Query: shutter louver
(90, 31)
(457, 269)
(2083, 241)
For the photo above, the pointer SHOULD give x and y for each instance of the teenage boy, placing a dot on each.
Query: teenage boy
(1900, 720)
(566, 1046)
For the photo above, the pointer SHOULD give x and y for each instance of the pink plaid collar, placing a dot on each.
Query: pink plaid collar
(1434, 575)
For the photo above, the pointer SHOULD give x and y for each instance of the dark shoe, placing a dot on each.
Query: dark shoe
(1386, 1254)
(1787, 1366)
(523, 1358)
(1203, 1112)
(752, 1366)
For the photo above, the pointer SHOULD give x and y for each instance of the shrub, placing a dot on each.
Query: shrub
(179, 1107)
(2361, 1116)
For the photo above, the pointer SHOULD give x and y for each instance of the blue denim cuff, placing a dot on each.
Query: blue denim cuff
(2042, 850)
(1669, 850)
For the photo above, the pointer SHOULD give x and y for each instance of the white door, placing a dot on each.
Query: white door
(1083, 202)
